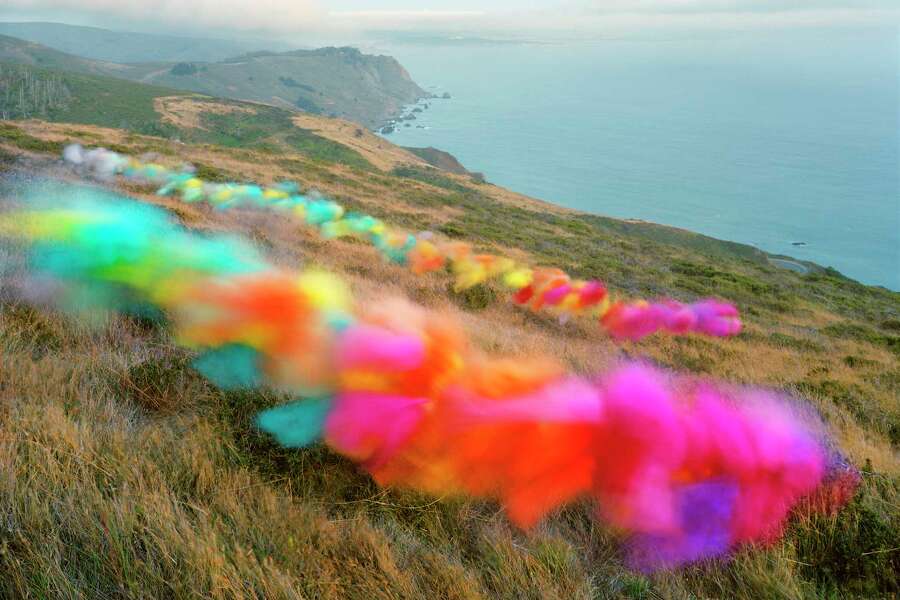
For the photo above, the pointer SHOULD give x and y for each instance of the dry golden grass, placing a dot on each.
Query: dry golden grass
(261, 167)
(376, 150)
(106, 496)
(182, 111)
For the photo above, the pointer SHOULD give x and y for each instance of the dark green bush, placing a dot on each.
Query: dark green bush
(160, 383)
(864, 333)
(856, 550)
(214, 174)
(867, 411)
(183, 69)
(475, 298)
(20, 139)
(431, 176)
(787, 341)
(30, 330)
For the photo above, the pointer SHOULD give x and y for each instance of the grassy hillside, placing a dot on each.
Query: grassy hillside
(29, 92)
(14, 50)
(340, 82)
(128, 475)
(59, 95)
(129, 47)
(442, 160)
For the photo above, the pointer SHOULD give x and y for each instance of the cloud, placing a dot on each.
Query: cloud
(566, 19)
(625, 17)
(682, 7)
(236, 15)
(405, 19)
(406, 14)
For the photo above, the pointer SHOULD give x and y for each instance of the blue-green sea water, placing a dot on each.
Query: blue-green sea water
(772, 140)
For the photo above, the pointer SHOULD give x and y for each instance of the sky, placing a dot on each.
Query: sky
(509, 18)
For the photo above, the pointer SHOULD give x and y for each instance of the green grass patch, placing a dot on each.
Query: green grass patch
(431, 176)
(475, 298)
(82, 98)
(325, 150)
(270, 129)
(863, 333)
(213, 174)
(160, 383)
(782, 340)
(18, 138)
(867, 411)
(31, 331)
(858, 362)
(854, 553)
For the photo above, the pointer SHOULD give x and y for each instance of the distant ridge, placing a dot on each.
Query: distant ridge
(338, 82)
(128, 47)
(443, 160)
(15, 50)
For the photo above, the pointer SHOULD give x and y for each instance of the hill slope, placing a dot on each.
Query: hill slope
(63, 95)
(53, 95)
(14, 50)
(339, 82)
(335, 81)
(127, 474)
(129, 47)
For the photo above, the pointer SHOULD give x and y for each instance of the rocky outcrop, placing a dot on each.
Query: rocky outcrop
(445, 161)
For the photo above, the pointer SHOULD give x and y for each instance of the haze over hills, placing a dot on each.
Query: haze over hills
(129, 46)
(78, 95)
(29, 92)
(14, 50)
(341, 82)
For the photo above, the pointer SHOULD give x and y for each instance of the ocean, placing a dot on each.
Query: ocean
(786, 141)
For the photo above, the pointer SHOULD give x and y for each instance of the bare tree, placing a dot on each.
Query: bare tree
(26, 92)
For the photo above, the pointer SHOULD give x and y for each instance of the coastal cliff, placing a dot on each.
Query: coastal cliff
(338, 82)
